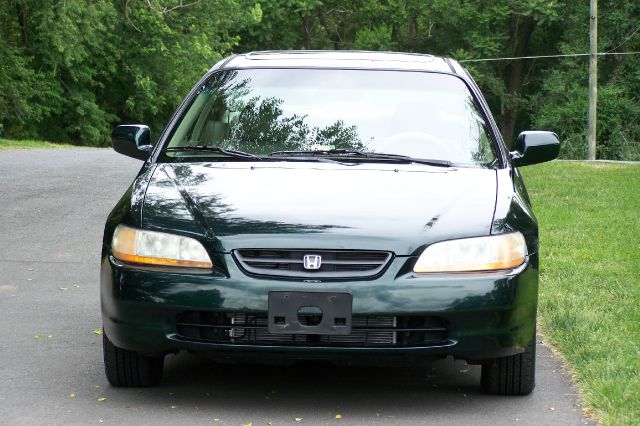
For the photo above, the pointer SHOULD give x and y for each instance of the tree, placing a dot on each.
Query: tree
(69, 72)
(73, 71)
(560, 100)
(56, 59)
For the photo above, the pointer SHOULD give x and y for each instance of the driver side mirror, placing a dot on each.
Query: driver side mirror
(534, 146)
(132, 140)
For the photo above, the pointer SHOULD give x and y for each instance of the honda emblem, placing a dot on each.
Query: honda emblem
(312, 261)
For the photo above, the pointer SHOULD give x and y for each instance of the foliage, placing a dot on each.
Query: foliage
(61, 47)
(262, 125)
(29, 144)
(560, 102)
(543, 93)
(70, 72)
(590, 290)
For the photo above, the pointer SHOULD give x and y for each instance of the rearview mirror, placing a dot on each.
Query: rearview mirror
(132, 140)
(534, 147)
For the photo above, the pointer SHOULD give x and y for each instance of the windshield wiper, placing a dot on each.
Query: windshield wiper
(355, 154)
(340, 151)
(202, 148)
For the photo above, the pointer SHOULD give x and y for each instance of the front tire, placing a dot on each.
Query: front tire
(511, 375)
(128, 368)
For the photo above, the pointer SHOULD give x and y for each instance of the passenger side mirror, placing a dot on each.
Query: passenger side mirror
(534, 147)
(132, 140)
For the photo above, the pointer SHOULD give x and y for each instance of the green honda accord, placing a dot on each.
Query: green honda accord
(344, 206)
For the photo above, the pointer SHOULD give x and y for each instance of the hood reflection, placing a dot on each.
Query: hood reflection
(393, 207)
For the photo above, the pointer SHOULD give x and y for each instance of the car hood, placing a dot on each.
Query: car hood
(321, 205)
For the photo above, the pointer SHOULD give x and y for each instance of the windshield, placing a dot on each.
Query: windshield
(267, 111)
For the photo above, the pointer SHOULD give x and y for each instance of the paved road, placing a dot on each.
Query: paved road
(52, 207)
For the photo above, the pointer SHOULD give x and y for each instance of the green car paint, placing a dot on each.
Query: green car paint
(330, 203)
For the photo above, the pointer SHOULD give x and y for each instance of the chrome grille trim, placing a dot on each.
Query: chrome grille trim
(336, 264)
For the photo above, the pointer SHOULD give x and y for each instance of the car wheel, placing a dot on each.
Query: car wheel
(511, 375)
(128, 368)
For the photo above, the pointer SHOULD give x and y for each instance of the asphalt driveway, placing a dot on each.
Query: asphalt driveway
(53, 204)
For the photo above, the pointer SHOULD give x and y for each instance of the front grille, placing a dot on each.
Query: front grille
(335, 264)
(366, 331)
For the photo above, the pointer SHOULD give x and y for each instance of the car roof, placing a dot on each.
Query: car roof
(341, 59)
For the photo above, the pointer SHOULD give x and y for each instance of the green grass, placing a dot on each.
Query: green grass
(29, 144)
(589, 215)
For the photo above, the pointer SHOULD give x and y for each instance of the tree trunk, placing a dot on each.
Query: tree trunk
(522, 35)
(307, 22)
(22, 21)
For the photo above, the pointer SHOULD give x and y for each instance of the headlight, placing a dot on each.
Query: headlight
(157, 248)
(474, 254)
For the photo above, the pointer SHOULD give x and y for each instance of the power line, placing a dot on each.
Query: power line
(626, 39)
(570, 55)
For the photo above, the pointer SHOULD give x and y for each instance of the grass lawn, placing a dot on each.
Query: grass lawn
(25, 144)
(589, 217)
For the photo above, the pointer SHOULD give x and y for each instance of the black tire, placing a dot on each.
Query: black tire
(128, 368)
(511, 375)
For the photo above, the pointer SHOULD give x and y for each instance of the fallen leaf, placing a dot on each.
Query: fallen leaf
(37, 337)
(64, 288)
(98, 331)
(72, 395)
(50, 336)
(338, 416)
(76, 286)
(102, 398)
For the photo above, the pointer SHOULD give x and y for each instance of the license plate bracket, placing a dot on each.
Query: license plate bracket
(335, 307)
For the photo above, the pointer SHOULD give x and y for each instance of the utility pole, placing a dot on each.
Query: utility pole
(593, 78)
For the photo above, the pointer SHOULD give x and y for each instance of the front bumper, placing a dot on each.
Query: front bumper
(489, 315)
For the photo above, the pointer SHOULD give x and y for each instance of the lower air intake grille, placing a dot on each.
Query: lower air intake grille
(327, 264)
(367, 331)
